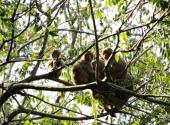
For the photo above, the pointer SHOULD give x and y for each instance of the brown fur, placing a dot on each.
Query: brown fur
(55, 63)
(116, 70)
(101, 68)
(82, 71)
(112, 99)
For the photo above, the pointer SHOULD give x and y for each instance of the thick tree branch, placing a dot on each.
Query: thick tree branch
(141, 96)
(27, 111)
(14, 89)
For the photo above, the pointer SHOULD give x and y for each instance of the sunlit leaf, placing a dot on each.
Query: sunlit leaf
(117, 58)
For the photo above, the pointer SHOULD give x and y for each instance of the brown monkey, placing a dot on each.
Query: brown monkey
(107, 97)
(116, 70)
(101, 67)
(112, 99)
(82, 71)
(55, 63)
(126, 83)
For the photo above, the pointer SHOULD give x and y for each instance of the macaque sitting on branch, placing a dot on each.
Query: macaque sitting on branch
(115, 69)
(55, 63)
(82, 71)
(113, 100)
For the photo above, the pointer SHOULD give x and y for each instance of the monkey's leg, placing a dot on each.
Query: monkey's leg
(111, 111)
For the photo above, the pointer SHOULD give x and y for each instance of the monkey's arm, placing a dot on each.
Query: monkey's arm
(58, 63)
(50, 66)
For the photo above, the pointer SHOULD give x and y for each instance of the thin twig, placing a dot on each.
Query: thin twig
(96, 42)
(13, 30)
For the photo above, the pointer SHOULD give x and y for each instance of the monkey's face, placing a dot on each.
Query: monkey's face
(88, 56)
(55, 54)
(107, 53)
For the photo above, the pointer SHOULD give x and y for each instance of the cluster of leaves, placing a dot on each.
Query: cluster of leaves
(30, 30)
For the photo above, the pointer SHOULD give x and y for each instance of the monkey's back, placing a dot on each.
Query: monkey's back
(101, 67)
(117, 70)
(82, 72)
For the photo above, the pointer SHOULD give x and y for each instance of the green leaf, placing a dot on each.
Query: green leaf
(53, 33)
(37, 27)
(121, 2)
(110, 3)
(99, 14)
(116, 58)
(1, 37)
(124, 36)
(28, 122)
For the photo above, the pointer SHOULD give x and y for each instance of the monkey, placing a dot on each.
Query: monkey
(101, 68)
(113, 100)
(127, 83)
(55, 63)
(116, 70)
(82, 71)
(106, 96)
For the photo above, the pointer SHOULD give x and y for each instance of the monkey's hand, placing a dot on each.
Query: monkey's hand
(112, 112)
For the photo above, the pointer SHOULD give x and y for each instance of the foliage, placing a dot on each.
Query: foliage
(30, 30)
